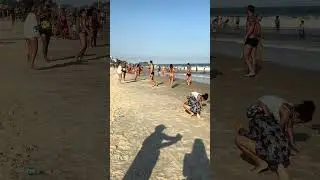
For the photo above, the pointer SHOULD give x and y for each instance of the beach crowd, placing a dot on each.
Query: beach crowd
(46, 21)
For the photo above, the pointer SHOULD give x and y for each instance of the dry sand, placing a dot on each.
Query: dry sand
(136, 109)
(52, 120)
(234, 93)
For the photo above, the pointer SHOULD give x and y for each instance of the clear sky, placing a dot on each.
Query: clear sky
(263, 3)
(165, 31)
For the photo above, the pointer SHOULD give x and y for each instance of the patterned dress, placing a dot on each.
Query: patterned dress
(194, 104)
(270, 138)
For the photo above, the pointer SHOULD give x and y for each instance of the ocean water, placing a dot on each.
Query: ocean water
(200, 72)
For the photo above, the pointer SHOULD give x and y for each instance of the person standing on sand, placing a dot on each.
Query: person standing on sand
(151, 75)
(301, 31)
(119, 72)
(45, 29)
(277, 23)
(193, 105)
(31, 33)
(83, 34)
(269, 140)
(137, 71)
(124, 70)
(251, 41)
(171, 75)
(188, 74)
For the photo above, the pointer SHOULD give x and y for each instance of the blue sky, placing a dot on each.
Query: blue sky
(166, 31)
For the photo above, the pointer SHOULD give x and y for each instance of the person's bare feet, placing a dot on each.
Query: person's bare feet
(251, 74)
(262, 166)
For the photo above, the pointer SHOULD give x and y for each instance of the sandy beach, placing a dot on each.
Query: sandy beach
(52, 121)
(136, 109)
(234, 93)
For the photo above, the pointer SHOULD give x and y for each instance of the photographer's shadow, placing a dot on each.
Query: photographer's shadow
(196, 165)
(146, 159)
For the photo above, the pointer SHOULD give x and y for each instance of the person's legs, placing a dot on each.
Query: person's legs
(29, 50)
(253, 55)
(282, 173)
(247, 56)
(187, 108)
(247, 146)
(34, 47)
(124, 76)
(83, 48)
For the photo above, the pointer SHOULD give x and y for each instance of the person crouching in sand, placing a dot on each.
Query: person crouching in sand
(269, 140)
(171, 75)
(194, 103)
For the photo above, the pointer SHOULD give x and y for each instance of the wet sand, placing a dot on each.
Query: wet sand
(136, 109)
(52, 120)
(234, 93)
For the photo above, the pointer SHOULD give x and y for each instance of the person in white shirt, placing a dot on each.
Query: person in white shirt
(119, 72)
(193, 104)
(31, 33)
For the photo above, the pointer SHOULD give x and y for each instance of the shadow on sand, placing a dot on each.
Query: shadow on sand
(146, 159)
(196, 165)
(316, 127)
(175, 85)
(62, 65)
(69, 57)
(102, 45)
(301, 137)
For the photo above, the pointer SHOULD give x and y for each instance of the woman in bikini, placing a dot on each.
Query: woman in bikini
(124, 70)
(193, 105)
(269, 140)
(251, 41)
(45, 29)
(189, 78)
(83, 34)
(171, 75)
(137, 71)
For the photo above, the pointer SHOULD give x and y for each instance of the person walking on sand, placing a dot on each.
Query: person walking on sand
(137, 70)
(188, 74)
(45, 29)
(151, 75)
(193, 105)
(269, 140)
(83, 34)
(124, 70)
(31, 33)
(251, 41)
(171, 75)
(119, 72)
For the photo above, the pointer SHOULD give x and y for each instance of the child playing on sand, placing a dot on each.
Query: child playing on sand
(194, 103)
(171, 75)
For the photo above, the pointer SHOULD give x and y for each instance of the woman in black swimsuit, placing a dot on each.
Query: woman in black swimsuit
(124, 70)
(45, 29)
(83, 34)
(251, 41)
(188, 74)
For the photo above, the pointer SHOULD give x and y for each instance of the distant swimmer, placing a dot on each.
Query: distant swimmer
(189, 78)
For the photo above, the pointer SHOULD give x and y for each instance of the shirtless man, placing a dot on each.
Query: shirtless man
(151, 75)
(251, 41)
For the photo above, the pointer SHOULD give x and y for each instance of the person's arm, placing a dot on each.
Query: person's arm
(249, 32)
(286, 119)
